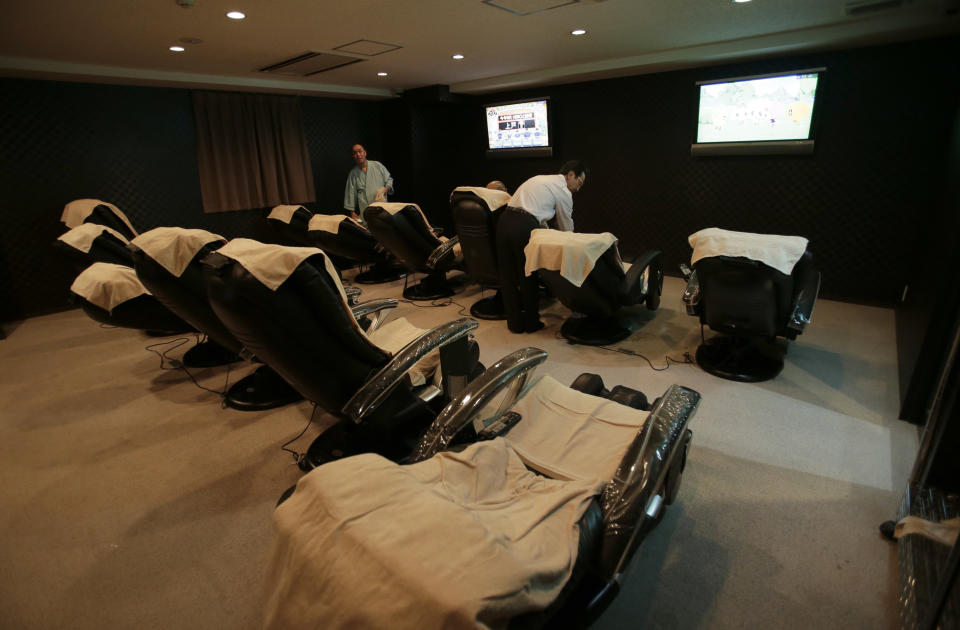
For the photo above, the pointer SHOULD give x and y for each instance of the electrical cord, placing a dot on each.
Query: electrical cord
(298, 457)
(687, 358)
(176, 364)
(440, 302)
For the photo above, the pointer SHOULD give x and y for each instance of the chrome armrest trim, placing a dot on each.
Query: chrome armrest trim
(437, 255)
(378, 387)
(374, 306)
(513, 370)
(691, 294)
(803, 309)
(353, 294)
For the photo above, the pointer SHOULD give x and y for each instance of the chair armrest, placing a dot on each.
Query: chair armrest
(691, 294)
(353, 294)
(514, 370)
(369, 397)
(636, 492)
(809, 283)
(637, 281)
(440, 252)
(373, 306)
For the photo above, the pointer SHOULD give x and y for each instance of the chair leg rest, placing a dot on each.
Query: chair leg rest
(490, 308)
(262, 389)
(208, 354)
(743, 360)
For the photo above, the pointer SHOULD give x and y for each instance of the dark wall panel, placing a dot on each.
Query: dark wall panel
(134, 147)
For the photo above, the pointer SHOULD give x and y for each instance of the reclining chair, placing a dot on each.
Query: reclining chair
(585, 273)
(91, 242)
(112, 294)
(290, 223)
(750, 288)
(287, 306)
(477, 535)
(83, 211)
(475, 212)
(405, 232)
(167, 261)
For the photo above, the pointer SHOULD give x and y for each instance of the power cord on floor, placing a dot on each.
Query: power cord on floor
(440, 302)
(298, 457)
(176, 364)
(687, 358)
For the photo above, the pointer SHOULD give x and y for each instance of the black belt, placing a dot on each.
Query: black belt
(514, 209)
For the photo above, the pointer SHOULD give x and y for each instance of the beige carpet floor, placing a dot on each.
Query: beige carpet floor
(131, 499)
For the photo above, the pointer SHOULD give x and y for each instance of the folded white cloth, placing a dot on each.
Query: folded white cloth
(567, 434)
(283, 213)
(75, 212)
(82, 236)
(779, 252)
(493, 199)
(329, 222)
(174, 247)
(570, 253)
(396, 334)
(462, 540)
(107, 285)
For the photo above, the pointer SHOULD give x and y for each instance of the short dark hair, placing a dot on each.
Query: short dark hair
(578, 168)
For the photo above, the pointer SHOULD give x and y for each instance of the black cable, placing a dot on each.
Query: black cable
(687, 359)
(439, 302)
(297, 457)
(176, 364)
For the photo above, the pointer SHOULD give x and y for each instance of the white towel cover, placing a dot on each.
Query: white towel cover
(82, 236)
(570, 253)
(779, 252)
(493, 198)
(566, 434)
(329, 223)
(394, 208)
(283, 213)
(462, 540)
(173, 247)
(75, 212)
(108, 285)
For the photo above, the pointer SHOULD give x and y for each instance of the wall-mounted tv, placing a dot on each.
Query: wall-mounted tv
(758, 115)
(519, 129)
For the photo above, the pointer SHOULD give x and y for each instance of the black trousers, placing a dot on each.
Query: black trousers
(521, 299)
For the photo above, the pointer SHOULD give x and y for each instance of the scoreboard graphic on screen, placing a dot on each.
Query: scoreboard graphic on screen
(517, 125)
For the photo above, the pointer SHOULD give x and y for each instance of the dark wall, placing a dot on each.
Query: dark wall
(861, 198)
(134, 147)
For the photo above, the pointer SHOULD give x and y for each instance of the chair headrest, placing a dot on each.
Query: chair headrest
(273, 264)
(330, 223)
(394, 208)
(108, 285)
(570, 253)
(76, 212)
(82, 236)
(779, 252)
(284, 213)
(174, 247)
(492, 199)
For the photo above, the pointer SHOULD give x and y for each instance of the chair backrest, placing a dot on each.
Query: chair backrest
(351, 241)
(476, 226)
(743, 296)
(88, 244)
(403, 233)
(303, 330)
(600, 293)
(185, 295)
(294, 230)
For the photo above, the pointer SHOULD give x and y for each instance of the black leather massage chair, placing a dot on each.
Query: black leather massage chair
(475, 212)
(167, 261)
(82, 211)
(340, 237)
(603, 291)
(751, 289)
(374, 382)
(651, 451)
(91, 242)
(405, 232)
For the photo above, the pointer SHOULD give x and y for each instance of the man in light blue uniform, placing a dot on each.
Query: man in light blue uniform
(367, 182)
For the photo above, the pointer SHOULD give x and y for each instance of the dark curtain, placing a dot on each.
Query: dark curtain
(251, 151)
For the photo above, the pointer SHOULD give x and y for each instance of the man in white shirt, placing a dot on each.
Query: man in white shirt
(537, 200)
(367, 182)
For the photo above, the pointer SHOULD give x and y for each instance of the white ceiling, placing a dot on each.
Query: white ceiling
(127, 41)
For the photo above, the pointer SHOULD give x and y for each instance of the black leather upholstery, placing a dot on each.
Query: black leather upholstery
(104, 248)
(606, 289)
(143, 312)
(750, 304)
(475, 224)
(295, 232)
(103, 215)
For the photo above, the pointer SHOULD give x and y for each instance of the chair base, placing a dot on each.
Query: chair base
(595, 331)
(431, 287)
(263, 389)
(380, 273)
(743, 360)
(208, 354)
(489, 308)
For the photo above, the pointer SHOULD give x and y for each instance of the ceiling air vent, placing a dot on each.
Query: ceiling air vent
(528, 7)
(309, 63)
(860, 7)
(367, 48)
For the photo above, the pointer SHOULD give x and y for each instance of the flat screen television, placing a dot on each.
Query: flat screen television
(758, 115)
(519, 129)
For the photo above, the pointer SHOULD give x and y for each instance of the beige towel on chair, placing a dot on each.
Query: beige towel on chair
(174, 247)
(107, 285)
(82, 236)
(570, 253)
(779, 252)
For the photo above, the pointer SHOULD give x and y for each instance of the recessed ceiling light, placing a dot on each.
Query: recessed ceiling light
(741, 1)
(177, 48)
(578, 31)
(381, 74)
(236, 15)
(458, 56)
